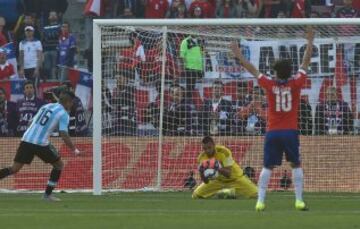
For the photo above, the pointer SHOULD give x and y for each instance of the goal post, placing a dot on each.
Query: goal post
(97, 127)
(140, 72)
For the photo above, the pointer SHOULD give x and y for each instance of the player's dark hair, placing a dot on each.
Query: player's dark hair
(207, 139)
(27, 82)
(66, 95)
(67, 83)
(283, 68)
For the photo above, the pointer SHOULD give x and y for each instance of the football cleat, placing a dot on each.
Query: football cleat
(260, 206)
(51, 198)
(300, 205)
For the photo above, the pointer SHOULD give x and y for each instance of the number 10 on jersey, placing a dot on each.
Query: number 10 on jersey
(283, 99)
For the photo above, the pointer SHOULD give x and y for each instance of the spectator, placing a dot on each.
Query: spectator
(7, 70)
(128, 8)
(58, 6)
(3, 34)
(333, 116)
(150, 123)
(226, 9)
(248, 8)
(242, 96)
(123, 102)
(8, 116)
(177, 9)
(27, 108)
(305, 117)
(197, 13)
(130, 58)
(217, 113)
(50, 42)
(127, 13)
(271, 8)
(66, 50)
(181, 12)
(20, 33)
(30, 56)
(242, 100)
(347, 11)
(207, 10)
(178, 115)
(299, 8)
(252, 117)
(156, 8)
(192, 55)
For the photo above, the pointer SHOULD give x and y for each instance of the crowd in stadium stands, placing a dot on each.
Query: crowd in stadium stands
(46, 49)
(229, 8)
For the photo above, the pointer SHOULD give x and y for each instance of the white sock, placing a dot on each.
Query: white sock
(298, 177)
(263, 183)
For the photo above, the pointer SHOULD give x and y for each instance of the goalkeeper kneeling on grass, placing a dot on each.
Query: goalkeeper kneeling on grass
(220, 174)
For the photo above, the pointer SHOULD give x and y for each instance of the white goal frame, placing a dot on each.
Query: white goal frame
(164, 23)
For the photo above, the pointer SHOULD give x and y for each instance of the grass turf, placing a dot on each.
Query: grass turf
(176, 210)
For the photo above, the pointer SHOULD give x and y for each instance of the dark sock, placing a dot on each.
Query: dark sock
(54, 178)
(5, 172)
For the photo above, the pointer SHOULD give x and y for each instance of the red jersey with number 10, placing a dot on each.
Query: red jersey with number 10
(283, 101)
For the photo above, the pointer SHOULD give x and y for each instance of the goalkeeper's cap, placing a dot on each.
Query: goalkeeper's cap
(283, 68)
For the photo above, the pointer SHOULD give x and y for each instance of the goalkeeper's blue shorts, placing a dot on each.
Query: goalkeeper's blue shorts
(278, 142)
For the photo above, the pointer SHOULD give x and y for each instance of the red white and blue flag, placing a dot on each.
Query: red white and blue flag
(83, 83)
(14, 89)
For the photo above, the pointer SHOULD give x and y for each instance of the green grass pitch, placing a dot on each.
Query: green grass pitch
(176, 210)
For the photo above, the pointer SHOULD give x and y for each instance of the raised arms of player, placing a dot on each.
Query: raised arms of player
(309, 48)
(243, 61)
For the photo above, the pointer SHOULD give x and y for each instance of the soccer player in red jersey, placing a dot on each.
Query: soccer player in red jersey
(283, 97)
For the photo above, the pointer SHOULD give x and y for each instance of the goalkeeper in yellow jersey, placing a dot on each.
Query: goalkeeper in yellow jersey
(220, 172)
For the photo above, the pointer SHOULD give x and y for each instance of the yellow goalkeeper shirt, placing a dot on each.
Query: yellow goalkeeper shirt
(224, 156)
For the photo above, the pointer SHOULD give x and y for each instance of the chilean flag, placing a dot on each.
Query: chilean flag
(11, 56)
(94, 8)
(14, 89)
(82, 82)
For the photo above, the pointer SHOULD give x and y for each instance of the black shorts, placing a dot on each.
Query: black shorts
(26, 152)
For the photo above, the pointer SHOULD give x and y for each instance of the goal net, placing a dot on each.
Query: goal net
(166, 84)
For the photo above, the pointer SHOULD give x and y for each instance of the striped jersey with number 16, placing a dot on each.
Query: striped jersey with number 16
(45, 121)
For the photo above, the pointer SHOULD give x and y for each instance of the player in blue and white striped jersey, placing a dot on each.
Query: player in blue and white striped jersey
(35, 141)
